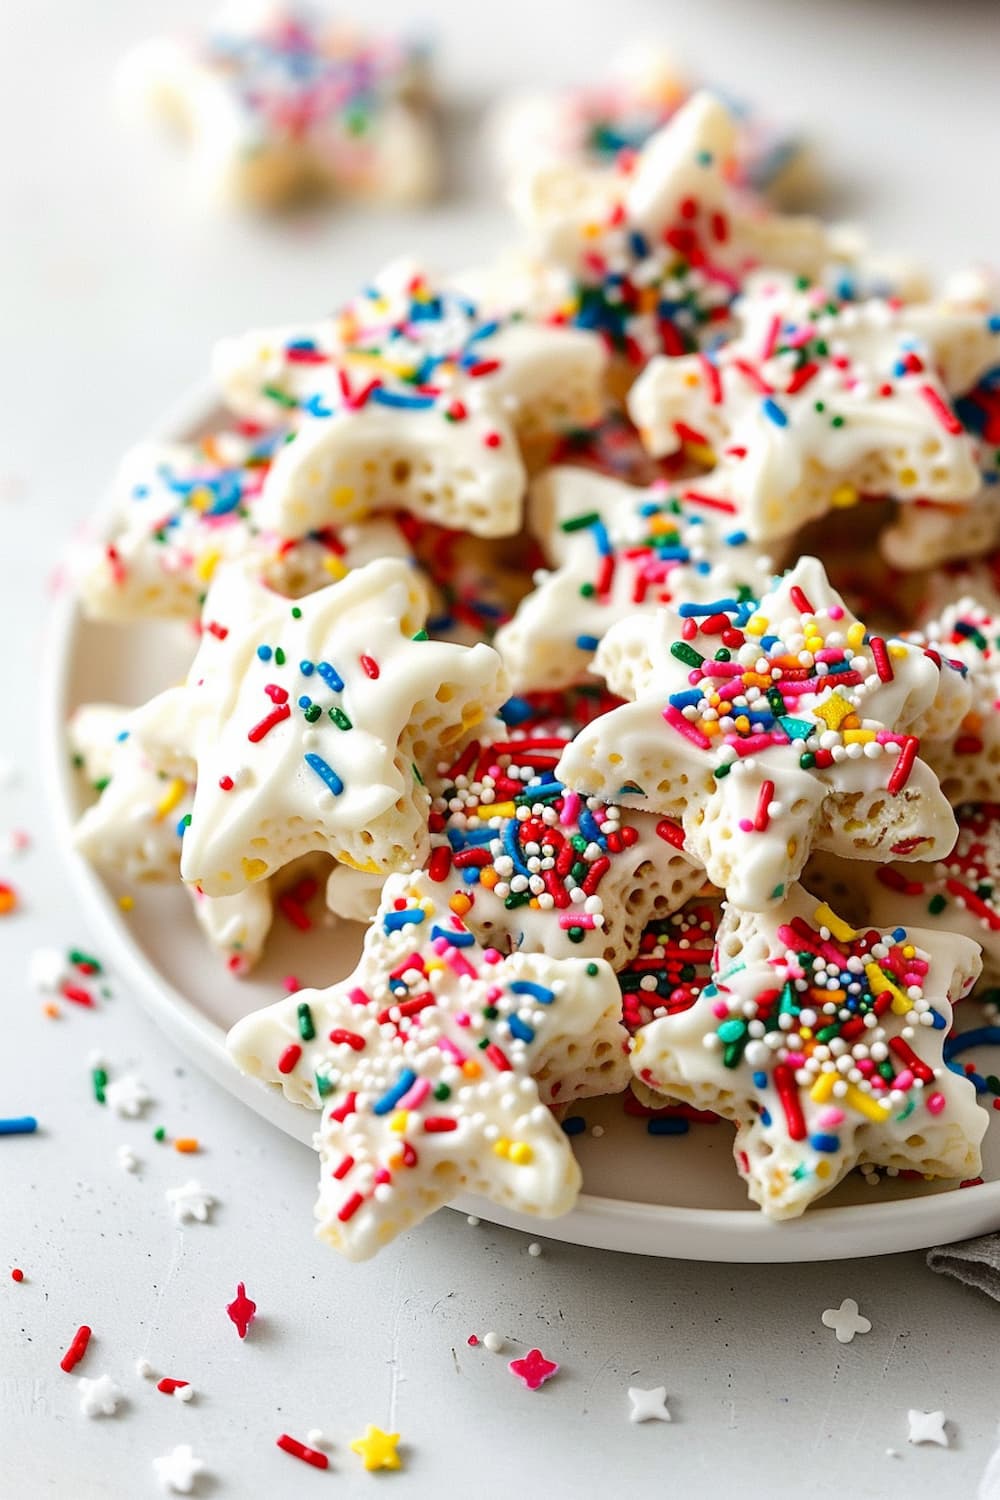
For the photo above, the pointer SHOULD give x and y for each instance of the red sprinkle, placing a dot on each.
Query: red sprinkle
(880, 656)
(670, 833)
(941, 410)
(76, 1350)
(168, 1386)
(904, 765)
(265, 726)
(762, 816)
(299, 1450)
(241, 1311)
(289, 1058)
(370, 666)
(17, 1274)
(800, 601)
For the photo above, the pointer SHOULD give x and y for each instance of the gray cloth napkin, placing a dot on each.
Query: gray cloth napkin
(976, 1262)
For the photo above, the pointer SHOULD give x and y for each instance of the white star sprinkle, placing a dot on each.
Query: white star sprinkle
(178, 1469)
(100, 1397)
(927, 1427)
(127, 1096)
(190, 1202)
(648, 1406)
(846, 1321)
(127, 1159)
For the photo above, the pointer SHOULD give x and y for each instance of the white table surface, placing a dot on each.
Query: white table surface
(112, 290)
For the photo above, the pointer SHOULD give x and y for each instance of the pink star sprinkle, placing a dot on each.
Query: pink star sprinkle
(241, 1310)
(534, 1369)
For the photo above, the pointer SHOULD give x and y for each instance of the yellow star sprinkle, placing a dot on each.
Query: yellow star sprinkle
(834, 711)
(378, 1449)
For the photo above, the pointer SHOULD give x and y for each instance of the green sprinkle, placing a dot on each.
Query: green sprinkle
(279, 657)
(837, 421)
(296, 612)
(592, 970)
(323, 1086)
(807, 760)
(685, 653)
(307, 1030)
(100, 1080)
(312, 713)
(442, 1092)
(575, 934)
(937, 904)
(339, 718)
(421, 635)
(721, 772)
(490, 1012)
(416, 774)
(587, 591)
(580, 523)
(159, 1134)
(274, 393)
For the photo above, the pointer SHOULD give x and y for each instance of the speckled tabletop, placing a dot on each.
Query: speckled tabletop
(111, 294)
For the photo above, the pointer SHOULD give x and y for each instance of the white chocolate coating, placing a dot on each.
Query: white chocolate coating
(808, 1110)
(411, 397)
(657, 548)
(434, 1063)
(818, 401)
(288, 761)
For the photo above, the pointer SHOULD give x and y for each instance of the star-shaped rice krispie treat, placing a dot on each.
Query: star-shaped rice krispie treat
(642, 90)
(279, 103)
(769, 728)
(183, 508)
(133, 831)
(435, 1063)
(819, 400)
(927, 533)
(411, 397)
(617, 550)
(655, 249)
(823, 1044)
(309, 725)
(959, 893)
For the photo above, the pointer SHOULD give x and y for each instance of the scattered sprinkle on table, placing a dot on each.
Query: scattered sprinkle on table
(300, 1450)
(534, 1249)
(191, 1201)
(17, 1274)
(533, 1368)
(127, 1096)
(241, 1310)
(100, 1397)
(846, 1321)
(18, 1125)
(76, 1350)
(927, 1427)
(178, 1469)
(648, 1406)
(377, 1449)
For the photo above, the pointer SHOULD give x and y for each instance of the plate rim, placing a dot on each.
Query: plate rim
(735, 1236)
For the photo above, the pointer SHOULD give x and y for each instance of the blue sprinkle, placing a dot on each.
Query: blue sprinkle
(823, 1142)
(544, 788)
(325, 773)
(772, 410)
(515, 711)
(668, 1125)
(940, 1024)
(123, 735)
(391, 1098)
(306, 668)
(265, 653)
(411, 916)
(471, 875)
(513, 849)
(760, 1080)
(536, 991)
(330, 676)
(686, 699)
(574, 1125)
(401, 400)
(603, 542)
(765, 1116)
(719, 607)
(305, 702)
(588, 642)
(317, 407)
(993, 322)
(18, 1125)
(673, 554)
(589, 827)
(520, 1029)
(735, 538)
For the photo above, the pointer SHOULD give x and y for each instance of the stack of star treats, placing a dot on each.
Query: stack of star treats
(613, 629)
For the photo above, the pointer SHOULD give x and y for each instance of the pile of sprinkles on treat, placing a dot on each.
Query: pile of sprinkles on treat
(508, 625)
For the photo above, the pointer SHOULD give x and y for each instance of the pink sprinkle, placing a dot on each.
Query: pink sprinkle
(936, 1103)
(570, 809)
(746, 825)
(831, 1117)
(836, 611)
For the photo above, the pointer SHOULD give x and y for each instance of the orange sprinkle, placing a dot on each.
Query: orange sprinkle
(460, 904)
(186, 1143)
(8, 899)
(51, 1010)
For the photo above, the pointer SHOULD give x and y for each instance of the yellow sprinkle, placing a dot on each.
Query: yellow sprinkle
(334, 567)
(909, 951)
(822, 1089)
(186, 1143)
(756, 626)
(897, 649)
(701, 454)
(399, 1120)
(502, 1147)
(834, 711)
(866, 1105)
(126, 902)
(170, 798)
(843, 496)
(520, 1154)
(827, 917)
(822, 1168)
(496, 809)
(879, 982)
(253, 869)
(858, 736)
(855, 635)
(207, 564)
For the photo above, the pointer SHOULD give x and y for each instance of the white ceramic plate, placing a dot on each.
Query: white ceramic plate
(670, 1196)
